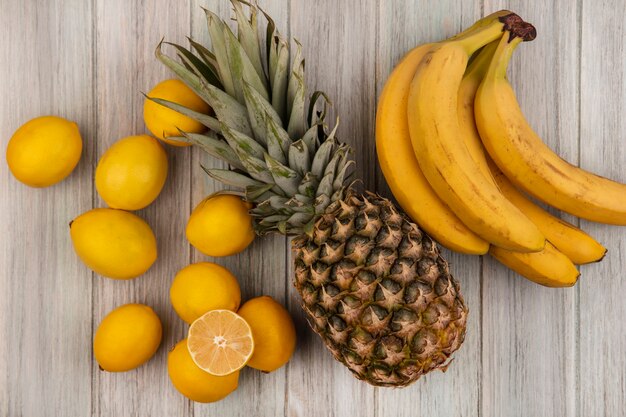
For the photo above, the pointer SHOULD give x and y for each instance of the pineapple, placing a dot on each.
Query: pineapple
(373, 285)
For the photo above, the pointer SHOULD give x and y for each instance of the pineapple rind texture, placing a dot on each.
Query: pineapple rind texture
(373, 285)
(377, 290)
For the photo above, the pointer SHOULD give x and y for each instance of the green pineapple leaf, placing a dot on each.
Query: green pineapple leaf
(248, 35)
(199, 68)
(231, 177)
(216, 32)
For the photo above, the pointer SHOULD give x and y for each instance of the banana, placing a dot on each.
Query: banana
(577, 245)
(548, 267)
(531, 165)
(400, 168)
(574, 243)
(444, 158)
(398, 163)
(465, 105)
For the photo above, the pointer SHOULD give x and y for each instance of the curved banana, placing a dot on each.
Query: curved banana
(398, 163)
(548, 267)
(444, 158)
(574, 243)
(400, 168)
(465, 105)
(529, 163)
(577, 245)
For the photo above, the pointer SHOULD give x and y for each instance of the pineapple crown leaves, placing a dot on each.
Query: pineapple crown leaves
(279, 150)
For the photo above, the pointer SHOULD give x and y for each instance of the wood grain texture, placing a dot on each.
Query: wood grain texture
(127, 34)
(529, 332)
(602, 364)
(530, 351)
(46, 67)
(457, 391)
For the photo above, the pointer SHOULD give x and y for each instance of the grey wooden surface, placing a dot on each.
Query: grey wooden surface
(530, 351)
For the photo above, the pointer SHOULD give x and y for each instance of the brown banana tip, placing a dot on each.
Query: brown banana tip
(603, 256)
(526, 31)
(70, 224)
(510, 20)
(518, 28)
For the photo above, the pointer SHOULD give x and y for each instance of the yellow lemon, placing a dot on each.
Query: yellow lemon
(220, 225)
(132, 172)
(114, 243)
(164, 122)
(127, 337)
(203, 287)
(220, 342)
(193, 382)
(44, 151)
(273, 332)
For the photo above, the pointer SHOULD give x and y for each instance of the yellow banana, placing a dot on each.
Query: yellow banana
(577, 245)
(444, 158)
(400, 168)
(574, 243)
(465, 105)
(398, 163)
(528, 162)
(548, 267)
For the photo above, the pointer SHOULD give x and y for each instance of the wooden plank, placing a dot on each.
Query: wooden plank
(529, 332)
(402, 26)
(46, 67)
(338, 41)
(602, 359)
(261, 267)
(127, 34)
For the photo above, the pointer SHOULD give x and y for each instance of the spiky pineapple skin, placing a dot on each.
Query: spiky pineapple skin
(378, 292)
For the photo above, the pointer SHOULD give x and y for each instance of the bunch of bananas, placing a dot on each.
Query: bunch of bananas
(461, 159)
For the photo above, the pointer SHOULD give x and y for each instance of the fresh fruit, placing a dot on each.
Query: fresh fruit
(273, 332)
(220, 225)
(114, 243)
(202, 287)
(44, 151)
(465, 107)
(400, 167)
(548, 267)
(528, 162)
(578, 246)
(574, 243)
(373, 285)
(193, 382)
(132, 172)
(220, 342)
(401, 170)
(127, 338)
(164, 122)
(444, 158)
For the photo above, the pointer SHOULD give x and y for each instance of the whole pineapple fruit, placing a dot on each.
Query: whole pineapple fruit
(373, 285)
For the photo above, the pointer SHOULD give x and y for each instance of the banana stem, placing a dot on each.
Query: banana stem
(477, 39)
(479, 66)
(502, 57)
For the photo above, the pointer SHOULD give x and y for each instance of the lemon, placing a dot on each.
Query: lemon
(220, 225)
(202, 287)
(193, 382)
(164, 122)
(127, 337)
(220, 342)
(44, 151)
(132, 172)
(114, 243)
(273, 332)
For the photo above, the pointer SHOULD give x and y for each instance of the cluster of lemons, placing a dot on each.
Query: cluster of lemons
(116, 243)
